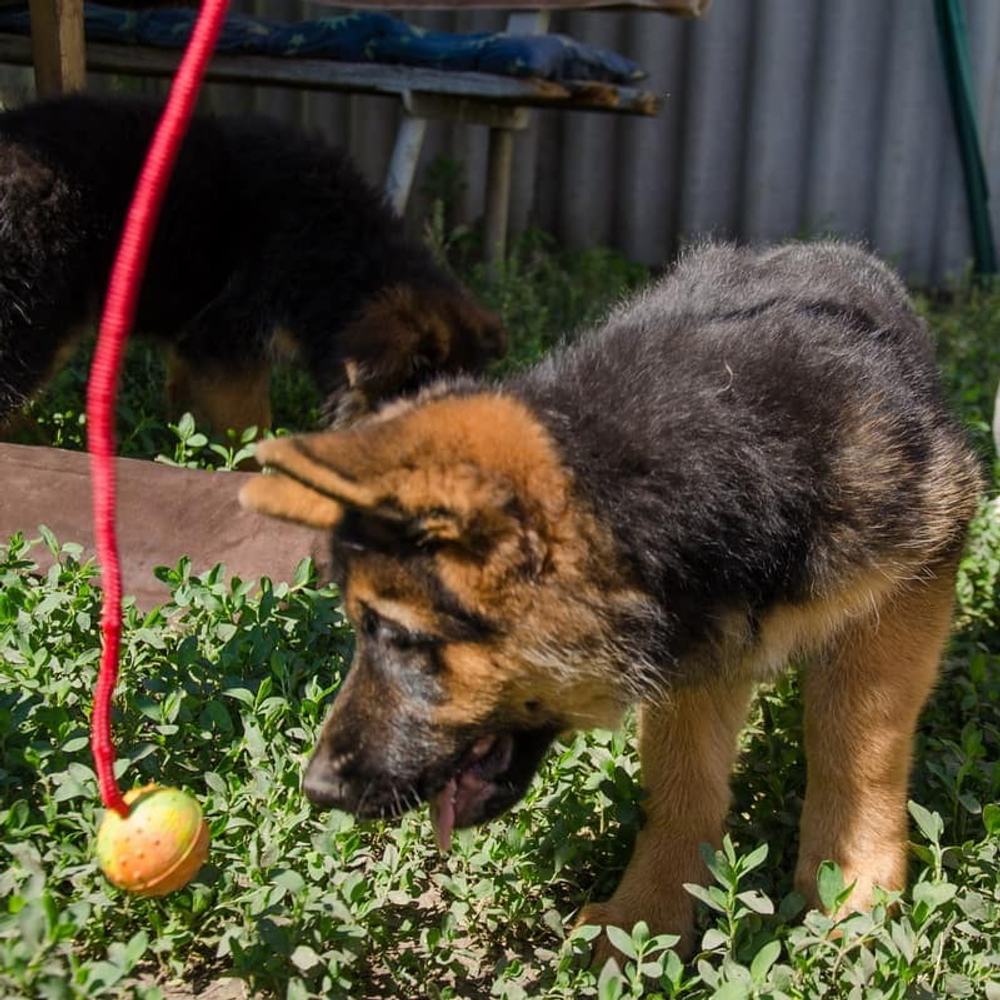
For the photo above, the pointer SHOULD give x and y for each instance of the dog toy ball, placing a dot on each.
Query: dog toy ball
(158, 847)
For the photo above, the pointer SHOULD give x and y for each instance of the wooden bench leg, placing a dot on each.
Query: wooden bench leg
(498, 167)
(503, 121)
(501, 155)
(403, 165)
(57, 46)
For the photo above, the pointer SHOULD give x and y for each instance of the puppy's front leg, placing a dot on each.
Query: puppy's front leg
(687, 747)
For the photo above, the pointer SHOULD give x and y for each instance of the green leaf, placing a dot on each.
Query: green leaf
(956, 985)
(622, 940)
(304, 572)
(829, 885)
(991, 818)
(610, 981)
(100, 977)
(710, 897)
(185, 426)
(640, 933)
(791, 906)
(732, 991)
(216, 783)
(934, 894)
(763, 960)
(929, 823)
(289, 880)
(305, 958)
(714, 939)
(297, 990)
(757, 902)
(673, 969)
(254, 740)
(755, 858)
(970, 803)
(135, 948)
(49, 538)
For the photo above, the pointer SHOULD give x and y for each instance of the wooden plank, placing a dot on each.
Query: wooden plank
(58, 46)
(498, 168)
(372, 78)
(592, 95)
(51, 486)
(466, 111)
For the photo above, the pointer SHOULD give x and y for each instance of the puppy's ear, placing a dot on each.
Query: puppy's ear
(281, 495)
(476, 472)
(407, 336)
(313, 478)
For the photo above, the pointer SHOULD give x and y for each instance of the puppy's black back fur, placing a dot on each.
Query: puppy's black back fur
(264, 231)
(755, 428)
(67, 172)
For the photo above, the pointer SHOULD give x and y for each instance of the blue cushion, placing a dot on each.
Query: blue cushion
(367, 37)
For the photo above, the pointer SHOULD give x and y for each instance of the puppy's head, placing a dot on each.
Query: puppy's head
(478, 587)
(409, 334)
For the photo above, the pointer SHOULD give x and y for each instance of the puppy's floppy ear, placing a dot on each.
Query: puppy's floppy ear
(284, 496)
(306, 465)
(404, 338)
(314, 478)
(471, 471)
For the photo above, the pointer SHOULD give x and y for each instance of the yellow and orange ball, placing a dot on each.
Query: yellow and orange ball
(158, 847)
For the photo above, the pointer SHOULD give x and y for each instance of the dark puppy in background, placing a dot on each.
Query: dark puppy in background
(270, 245)
(749, 464)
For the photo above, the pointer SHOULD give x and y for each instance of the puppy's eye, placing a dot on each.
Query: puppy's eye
(379, 629)
(369, 623)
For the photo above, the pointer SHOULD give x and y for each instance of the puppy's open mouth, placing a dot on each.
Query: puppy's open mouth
(492, 776)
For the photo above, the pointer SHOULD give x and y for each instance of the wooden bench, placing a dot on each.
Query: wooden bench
(61, 61)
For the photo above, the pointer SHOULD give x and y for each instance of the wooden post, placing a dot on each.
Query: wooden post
(501, 156)
(57, 46)
(405, 155)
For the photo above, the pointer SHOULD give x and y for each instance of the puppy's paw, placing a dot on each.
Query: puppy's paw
(602, 915)
(659, 919)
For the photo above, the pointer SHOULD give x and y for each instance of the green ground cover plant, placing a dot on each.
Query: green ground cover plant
(224, 689)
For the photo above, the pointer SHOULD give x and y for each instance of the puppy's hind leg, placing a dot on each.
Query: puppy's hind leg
(687, 747)
(226, 395)
(862, 703)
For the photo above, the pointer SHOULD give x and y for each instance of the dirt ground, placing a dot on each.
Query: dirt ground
(218, 989)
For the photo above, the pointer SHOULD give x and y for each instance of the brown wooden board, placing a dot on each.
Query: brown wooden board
(164, 513)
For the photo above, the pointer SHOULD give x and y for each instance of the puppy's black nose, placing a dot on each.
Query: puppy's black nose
(324, 786)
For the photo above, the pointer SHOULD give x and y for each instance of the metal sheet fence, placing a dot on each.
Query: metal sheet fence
(782, 118)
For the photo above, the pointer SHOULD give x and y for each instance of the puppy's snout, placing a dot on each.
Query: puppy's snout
(325, 783)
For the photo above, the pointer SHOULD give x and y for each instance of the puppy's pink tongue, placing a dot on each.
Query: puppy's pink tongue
(443, 814)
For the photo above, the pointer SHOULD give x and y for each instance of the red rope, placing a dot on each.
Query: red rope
(119, 314)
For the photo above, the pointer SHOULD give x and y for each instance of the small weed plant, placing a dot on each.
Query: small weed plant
(224, 688)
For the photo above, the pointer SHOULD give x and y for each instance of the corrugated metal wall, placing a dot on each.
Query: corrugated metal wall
(783, 117)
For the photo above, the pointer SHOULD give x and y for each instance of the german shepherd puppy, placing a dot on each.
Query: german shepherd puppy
(749, 463)
(270, 245)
